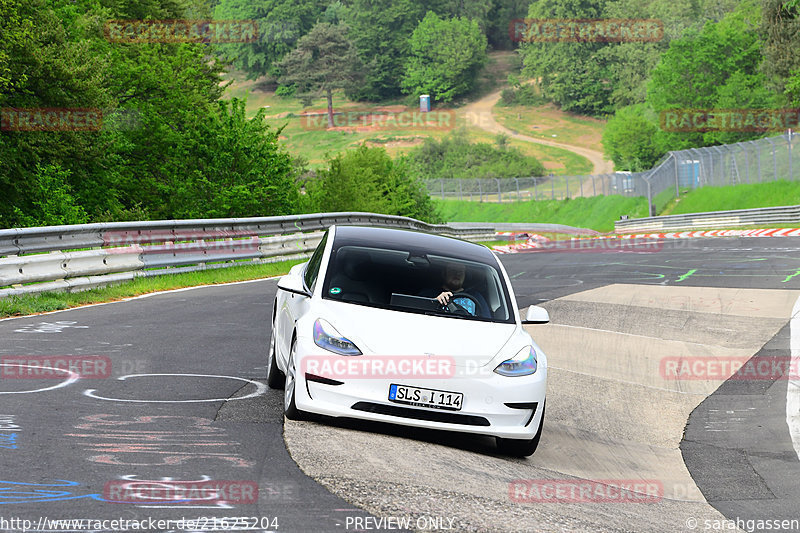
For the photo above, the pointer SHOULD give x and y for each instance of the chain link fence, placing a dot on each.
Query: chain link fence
(758, 161)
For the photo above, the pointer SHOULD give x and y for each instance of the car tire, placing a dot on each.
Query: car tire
(521, 447)
(275, 378)
(290, 409)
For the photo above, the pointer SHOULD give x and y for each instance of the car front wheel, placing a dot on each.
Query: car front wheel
(290, 409)
(275, 378)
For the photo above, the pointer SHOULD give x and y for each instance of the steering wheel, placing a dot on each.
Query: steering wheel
(469, 305)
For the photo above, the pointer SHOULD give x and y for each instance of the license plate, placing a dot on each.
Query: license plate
(436, 399)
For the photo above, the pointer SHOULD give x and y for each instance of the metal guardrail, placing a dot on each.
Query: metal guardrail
(718, 219)
(91, 255)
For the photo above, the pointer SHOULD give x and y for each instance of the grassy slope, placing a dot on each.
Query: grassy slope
(598, 212)
(737, 197)
(311, 140)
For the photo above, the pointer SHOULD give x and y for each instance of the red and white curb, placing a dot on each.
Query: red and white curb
(536, 241)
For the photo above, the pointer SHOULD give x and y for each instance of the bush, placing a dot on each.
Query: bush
(286, 91)
(456, 157)
(366, 179)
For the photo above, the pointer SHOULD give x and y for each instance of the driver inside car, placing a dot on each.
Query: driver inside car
(452, 290)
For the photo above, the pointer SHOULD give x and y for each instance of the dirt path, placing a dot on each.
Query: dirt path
(480, 114)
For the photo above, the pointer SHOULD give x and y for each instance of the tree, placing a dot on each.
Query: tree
(714, 68)
(366, 179)
(446, 56)
(381, 30)
(499, 18)
(324, 60)
(780, 30)
(575, 75)
(630, 139)
(234, 167)
(281, 23)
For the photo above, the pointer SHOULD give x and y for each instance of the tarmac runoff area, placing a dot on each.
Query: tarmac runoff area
(614, 413)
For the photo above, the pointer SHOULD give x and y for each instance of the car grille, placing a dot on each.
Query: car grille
(419, 414)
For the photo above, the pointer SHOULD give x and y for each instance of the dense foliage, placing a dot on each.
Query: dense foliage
(164, 145)
(367, 179)
(721, 66)
(446, 56)
(455, 157)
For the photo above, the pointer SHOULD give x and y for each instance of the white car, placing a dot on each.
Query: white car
(358, 332)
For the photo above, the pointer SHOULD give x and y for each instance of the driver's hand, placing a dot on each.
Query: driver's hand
(444, 298)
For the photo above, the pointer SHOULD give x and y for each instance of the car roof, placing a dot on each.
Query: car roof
(406, 239)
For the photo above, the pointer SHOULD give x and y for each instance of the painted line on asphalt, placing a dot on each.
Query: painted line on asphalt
(793, 387)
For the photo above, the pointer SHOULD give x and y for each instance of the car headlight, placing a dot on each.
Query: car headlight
(522, 364)
(326, 336)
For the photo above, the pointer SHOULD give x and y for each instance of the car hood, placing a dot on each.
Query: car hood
(384, 332)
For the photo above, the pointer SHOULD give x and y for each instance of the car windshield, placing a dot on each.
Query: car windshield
(409, 281)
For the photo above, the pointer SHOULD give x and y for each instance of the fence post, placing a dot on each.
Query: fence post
(552, 188)
(677, 185)
(535, 192)
(746, 163)
(516, 182)
(460, 190)
(774, 161)
(758, 160)
(499, 194)
(441, 182)
(789, 144)
(567, 180)
(480, 189)
(594, 187)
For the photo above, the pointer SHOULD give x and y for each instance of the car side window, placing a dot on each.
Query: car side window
(312, 270)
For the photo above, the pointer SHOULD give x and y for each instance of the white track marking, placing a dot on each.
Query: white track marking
(793, 387)
(73, 377)
(260, 389)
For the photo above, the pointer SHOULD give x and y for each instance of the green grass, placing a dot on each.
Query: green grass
(598, 212)
(28, 304)
(745, 196)
(547, 122)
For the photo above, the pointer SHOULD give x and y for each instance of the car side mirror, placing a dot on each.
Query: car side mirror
(536, 315)
(293, 284)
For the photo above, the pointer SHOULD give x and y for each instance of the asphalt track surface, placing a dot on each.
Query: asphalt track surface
(177, 397)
